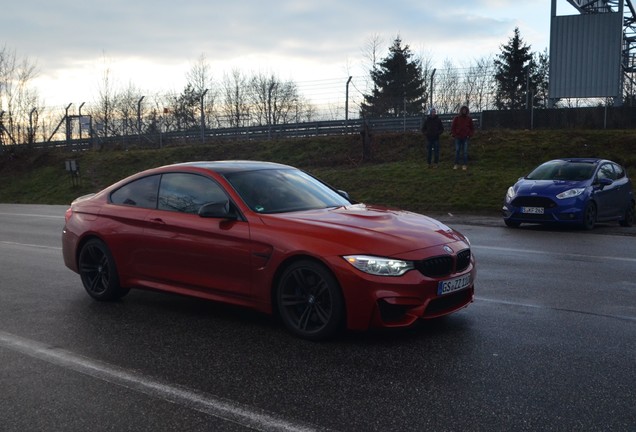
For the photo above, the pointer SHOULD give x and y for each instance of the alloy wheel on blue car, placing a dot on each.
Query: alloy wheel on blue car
(628, 220)
(589, 216)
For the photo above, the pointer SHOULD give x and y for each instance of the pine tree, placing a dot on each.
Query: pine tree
(515, 74)
(398, 85)
(185, 108)
(541, 79)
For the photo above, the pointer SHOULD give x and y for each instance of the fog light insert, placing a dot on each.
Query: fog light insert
(391, 312)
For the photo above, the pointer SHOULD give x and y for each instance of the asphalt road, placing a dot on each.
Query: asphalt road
(549, 344)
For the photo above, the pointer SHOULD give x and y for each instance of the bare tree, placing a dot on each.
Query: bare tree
(200, 78)
(157, 114)
(104, 109)
(482, 85)
(235, 109)
(448, 89)
(426, 66)
(274, 101)
(371, 56)
(18, 100)
(308, 110)
(126, 108)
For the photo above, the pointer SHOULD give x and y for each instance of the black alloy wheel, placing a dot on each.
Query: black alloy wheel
(628, 220)
(512, 224)
(98, 272)
(589, 216)
(309, 301)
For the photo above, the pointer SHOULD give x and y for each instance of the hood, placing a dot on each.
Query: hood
(546, 187)
(370, 229)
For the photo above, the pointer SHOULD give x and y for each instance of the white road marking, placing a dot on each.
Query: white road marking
(30, 245)
(33, 215)
(199, 401)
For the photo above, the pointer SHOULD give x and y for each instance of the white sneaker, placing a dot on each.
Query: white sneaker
(454, 166)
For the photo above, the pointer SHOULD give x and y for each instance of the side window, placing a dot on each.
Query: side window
(139, 193)
(606, 171)
(618, 171)
(186, 193)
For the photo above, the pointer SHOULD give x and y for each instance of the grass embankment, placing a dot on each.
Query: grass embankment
(396, 176)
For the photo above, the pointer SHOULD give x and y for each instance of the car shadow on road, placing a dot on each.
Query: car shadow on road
(448, 326)
(160, 314)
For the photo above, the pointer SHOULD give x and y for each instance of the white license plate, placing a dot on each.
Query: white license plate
(448, 286)
(532, 210)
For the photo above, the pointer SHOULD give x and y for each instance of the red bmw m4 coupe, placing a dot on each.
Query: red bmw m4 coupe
(268, 237)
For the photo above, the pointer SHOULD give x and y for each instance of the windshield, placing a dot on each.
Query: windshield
(283, 190)
(563, 170)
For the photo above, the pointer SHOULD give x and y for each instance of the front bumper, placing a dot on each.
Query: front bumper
(560, 214)
(385, 302)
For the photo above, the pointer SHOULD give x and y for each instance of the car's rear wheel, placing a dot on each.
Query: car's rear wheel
(589, 216)
(98, 272)
(309, 300)
(628, 220)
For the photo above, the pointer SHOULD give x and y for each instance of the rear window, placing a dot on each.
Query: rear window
(139, 193)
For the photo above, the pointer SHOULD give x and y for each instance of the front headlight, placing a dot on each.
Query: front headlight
(570, 193)
(510, 194)
(379, 266)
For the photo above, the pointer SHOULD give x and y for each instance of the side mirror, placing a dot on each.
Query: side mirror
(604, 182)
(344, 194)
(218, 210)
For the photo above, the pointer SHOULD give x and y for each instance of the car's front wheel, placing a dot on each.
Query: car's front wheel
(512, 224)
(628, 220)
(98, 272)
(589, 216)
(309, 300)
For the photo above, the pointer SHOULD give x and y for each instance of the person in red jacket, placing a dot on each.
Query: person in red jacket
(462, 129)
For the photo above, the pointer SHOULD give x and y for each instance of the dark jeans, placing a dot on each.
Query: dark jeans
(432, 149)
(461, 151)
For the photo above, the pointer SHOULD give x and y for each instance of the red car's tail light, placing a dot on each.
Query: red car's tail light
(68, 214)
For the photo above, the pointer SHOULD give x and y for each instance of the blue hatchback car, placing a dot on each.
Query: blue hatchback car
(575, 191)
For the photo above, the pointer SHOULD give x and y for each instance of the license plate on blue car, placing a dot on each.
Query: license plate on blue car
(532, 210)
(451, 285)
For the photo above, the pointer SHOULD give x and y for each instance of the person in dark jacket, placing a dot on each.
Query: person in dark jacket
(432, 128)
(462, 129)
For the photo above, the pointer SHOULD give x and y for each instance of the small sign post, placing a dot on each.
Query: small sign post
(72, 167)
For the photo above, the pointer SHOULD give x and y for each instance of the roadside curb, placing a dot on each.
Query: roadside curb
(611, 228)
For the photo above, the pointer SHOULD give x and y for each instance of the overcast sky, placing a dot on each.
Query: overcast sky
(152, 44)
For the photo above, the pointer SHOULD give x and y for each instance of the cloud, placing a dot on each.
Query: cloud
(286, 35)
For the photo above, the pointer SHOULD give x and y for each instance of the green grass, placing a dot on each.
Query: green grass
(396, 176)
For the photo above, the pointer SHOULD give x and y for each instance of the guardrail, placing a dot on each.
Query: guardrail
(267, 132)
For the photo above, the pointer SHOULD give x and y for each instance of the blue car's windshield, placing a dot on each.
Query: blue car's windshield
(283, 190)
(563, 170)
